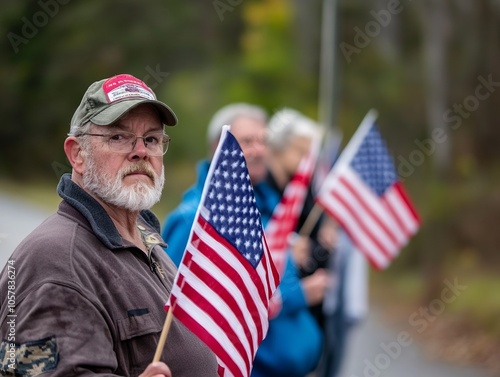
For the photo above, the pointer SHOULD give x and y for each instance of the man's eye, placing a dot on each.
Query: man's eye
(152, 139)
(246, 142)
(119, 137)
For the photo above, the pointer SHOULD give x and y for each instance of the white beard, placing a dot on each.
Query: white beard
(135, 198)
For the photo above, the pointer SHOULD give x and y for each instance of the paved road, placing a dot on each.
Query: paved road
(17, 220)
(372, 349)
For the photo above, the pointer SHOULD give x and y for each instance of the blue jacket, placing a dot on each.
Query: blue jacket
(293, 343)
(178, 224)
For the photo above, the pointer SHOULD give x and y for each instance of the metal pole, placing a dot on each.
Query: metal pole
(327, 103)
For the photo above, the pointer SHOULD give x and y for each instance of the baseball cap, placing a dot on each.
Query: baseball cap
(107, 100)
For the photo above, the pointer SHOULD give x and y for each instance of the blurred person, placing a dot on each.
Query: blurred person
(86, 289)
(293, 343)
(345, 304)
(248, 125)
(291, 135)
(327, 249)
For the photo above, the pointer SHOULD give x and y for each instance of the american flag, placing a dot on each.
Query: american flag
(226, 277)
(363, 193)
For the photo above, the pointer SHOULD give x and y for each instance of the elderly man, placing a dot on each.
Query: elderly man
(86, 289)
(291, 135)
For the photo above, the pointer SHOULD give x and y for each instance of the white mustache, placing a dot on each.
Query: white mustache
(142, 168)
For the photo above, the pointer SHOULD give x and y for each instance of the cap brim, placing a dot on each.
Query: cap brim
(118, 109)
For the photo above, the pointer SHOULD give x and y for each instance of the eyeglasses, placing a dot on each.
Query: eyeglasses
(124, 142)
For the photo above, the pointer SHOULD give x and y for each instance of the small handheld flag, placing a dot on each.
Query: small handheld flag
(226, 277)
(363, 193)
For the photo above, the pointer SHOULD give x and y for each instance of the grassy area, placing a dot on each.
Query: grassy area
(478, 299)
(460, 327)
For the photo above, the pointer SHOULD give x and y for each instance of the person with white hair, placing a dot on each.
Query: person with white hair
(327, 249)
(297, 354)
(294, 341)
(291, 135)
(249, 126)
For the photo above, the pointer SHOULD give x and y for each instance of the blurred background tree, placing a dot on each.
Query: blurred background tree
(429, 67)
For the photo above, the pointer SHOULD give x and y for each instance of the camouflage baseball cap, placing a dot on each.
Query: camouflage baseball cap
(107, 100)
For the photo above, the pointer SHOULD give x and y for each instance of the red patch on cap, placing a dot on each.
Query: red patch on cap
(126, 86)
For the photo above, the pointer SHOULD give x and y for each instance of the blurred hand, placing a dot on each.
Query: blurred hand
(315, 286)
(157, 369)
(328, 234)
(301, 250)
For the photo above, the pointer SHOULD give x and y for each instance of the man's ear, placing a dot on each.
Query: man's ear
(73, 151)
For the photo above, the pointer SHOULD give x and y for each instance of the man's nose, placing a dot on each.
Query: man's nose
(139, 148)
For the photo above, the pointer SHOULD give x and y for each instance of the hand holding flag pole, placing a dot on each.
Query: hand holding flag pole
(311, 220)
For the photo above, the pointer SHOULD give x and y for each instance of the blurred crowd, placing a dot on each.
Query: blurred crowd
(322, 293)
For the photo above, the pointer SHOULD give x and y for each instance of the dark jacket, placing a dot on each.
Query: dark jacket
(88, 302)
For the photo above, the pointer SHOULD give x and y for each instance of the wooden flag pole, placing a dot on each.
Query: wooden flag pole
(311, 220)
(163, 336)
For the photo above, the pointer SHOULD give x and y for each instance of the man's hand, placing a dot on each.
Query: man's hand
(157, 369)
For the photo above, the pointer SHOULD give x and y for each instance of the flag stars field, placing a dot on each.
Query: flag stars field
(374, 163)
(231, 185)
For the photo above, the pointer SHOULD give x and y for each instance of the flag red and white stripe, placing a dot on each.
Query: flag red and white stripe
(364, 195)
(226, 277)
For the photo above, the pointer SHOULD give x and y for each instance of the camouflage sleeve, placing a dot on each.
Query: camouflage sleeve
(57, 331)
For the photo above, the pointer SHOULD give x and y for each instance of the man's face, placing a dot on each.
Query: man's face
(133, 181)
(251, 135)
(291, 156)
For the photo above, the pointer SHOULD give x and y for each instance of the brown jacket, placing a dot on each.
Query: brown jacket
(78, 300)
